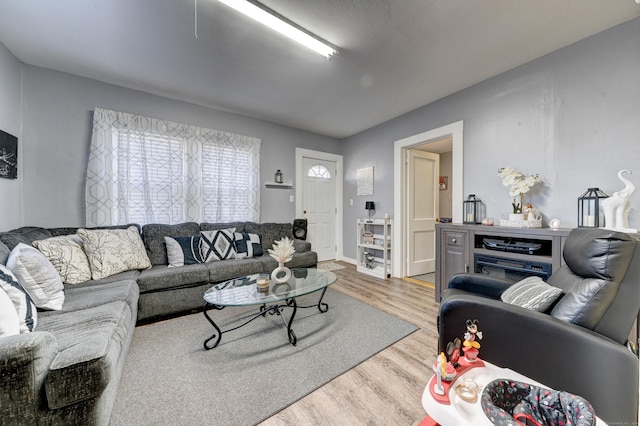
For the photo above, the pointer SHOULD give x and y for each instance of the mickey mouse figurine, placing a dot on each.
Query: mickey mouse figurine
(470, 345)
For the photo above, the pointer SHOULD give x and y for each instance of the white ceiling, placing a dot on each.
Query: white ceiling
(395, 55)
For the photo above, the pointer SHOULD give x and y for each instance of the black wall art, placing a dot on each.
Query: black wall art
(8, 156)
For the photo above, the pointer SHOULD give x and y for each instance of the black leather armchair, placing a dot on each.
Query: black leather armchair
(579, 344)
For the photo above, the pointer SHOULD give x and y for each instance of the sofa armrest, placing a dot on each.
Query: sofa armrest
(24, 365)
(301, 246)
(558, 354)
(480, 284)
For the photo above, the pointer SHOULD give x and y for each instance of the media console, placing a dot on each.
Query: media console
(503, 252)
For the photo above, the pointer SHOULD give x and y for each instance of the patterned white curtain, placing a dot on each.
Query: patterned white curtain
(144, 170)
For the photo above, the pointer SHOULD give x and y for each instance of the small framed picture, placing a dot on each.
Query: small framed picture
(8, 156)
(443, 183)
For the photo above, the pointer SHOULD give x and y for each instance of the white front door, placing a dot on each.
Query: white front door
(422, 210)
(318, 204)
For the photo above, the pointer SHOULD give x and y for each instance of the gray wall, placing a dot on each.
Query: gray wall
(10, 122)
(446, 167)
(57, 118)
(573, 116)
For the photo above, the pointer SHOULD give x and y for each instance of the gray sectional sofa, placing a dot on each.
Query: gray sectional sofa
(67, 371)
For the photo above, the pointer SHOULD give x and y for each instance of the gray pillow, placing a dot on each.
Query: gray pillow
(531, 293)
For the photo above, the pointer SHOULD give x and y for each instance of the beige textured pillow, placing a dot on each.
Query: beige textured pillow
(111, 251)
(66, 255)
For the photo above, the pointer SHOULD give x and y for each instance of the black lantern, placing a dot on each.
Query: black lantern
(589, 208)
(369, 205)
(472, 210)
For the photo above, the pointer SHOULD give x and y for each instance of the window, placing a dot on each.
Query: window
(144, 170)
(319, 171)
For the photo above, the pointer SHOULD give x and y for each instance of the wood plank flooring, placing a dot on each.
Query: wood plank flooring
(387, 388)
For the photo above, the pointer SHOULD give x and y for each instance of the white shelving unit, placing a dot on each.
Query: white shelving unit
(374, 247)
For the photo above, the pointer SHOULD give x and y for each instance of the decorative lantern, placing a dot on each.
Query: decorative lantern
(472, 210)
(278, 177)
(589, 208)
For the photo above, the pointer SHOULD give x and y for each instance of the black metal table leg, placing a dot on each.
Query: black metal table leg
(292, 336)
(322, 307)
(218, 334)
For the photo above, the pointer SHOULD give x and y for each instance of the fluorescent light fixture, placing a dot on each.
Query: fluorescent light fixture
(272, 20)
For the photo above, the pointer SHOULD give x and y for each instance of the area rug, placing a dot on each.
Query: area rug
(254, 372)
(330, 266)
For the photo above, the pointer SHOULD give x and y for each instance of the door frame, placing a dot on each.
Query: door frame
(339, 181)
(455, 132)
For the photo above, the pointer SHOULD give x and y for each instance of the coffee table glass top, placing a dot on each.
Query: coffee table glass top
(243, 291)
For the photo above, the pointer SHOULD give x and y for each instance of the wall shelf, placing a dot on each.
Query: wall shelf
(279, 185)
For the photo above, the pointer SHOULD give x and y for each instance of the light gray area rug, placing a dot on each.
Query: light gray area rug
(330, 266)
(254, 372)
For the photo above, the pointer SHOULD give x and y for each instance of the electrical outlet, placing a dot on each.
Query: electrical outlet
(291, 198)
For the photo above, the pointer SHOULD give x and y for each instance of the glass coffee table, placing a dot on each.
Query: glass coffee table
(244, 291)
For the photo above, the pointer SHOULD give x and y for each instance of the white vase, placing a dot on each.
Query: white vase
(281, 274)
(516, 216)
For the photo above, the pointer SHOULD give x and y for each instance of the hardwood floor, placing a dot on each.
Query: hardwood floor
(387, 388)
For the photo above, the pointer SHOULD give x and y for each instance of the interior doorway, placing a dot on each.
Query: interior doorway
(437, 139)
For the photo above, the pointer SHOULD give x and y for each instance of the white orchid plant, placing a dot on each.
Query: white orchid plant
(282, 250)
(518, 183)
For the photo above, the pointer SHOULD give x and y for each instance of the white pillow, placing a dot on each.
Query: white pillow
(9, 323)
(22, 303)
(111, 251)
(37, 276)
(531, 293)
(67, 256)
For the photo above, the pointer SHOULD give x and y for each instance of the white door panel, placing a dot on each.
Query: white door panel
(422, 177)
(318, 201)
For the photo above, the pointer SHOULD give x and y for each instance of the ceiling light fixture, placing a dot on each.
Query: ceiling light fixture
(278, 23)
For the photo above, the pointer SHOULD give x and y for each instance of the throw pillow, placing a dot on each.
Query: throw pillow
(183, 250)
(531, 293)
(37, 276)
(67, 256)
(22, 303)
(111, 251)
(9, 323)
(217, 245)
(247, 245)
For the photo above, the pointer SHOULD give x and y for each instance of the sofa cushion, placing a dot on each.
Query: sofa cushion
(238, 226)
(9, 322)
(4, 253)
(66, 254)
(91, 295)
(247, 245)
(531, 293)
(306, 259)
(37, 276)
(217, 245)
(183, 250)
(26, 310)
(161, 277)
(26, 235)
(598, 253)
(114, 250)
(90, 342)
(269, 232)
(227, 269)
(587, 299)
(154, 233)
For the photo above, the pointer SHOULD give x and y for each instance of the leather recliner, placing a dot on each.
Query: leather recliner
(579, 344)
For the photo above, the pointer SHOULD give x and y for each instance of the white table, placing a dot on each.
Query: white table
(451, 410)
